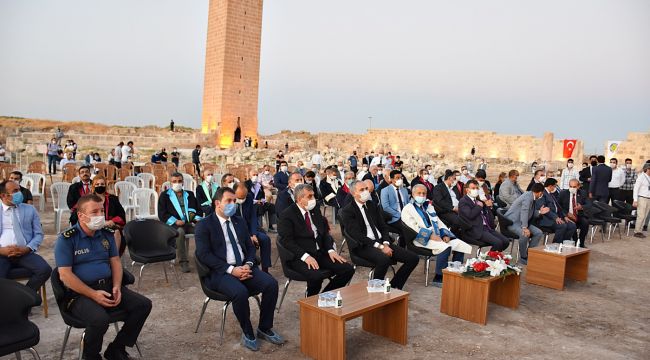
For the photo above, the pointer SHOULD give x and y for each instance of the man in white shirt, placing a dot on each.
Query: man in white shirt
(618, 179)
(568, 174)
(465, 175)
(641, 197)
(127, 152)
(317, 160)
(117, 156)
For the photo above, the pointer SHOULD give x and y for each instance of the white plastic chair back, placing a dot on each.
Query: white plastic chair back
(216, 179)
(149, 180)
(165, 186)
(124, 190)
(27, 183)
(76, 179)
(59, 191)
(38, 187)
(189, 183)
(146, 203)
(138, 182)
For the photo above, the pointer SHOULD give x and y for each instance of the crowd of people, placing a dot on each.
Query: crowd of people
(384, 215)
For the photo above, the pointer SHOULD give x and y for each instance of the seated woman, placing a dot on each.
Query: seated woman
(114, 215)
(432, 233)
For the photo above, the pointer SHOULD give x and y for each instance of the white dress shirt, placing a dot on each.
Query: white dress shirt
(305, 213)
(7, 238)
(230, 254)
(618, 178)
(454, 200)
(642, 187)
(369, 234)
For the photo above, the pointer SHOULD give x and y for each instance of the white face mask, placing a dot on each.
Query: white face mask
(420, 199)
(266, 172)
(465, 172)
(542, 179)
(365, 195)
(628, 166)
(208, 179)
(612, 165)
(399, 183)
(365, 169)
(480, 183)
(569, 165)
(96, 222)
(177, 187)
(573, 191)
(254, 178)
(283, 168)
(473, 193)
(231, 185)
(311, 204)
(240, 201)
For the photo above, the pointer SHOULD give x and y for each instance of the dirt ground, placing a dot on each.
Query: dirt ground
(605, 318)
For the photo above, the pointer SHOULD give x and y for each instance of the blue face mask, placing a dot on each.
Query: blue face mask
(230, 209)
(17, 198)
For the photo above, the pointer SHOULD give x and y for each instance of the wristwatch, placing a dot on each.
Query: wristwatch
(250, 264)
(381, 246)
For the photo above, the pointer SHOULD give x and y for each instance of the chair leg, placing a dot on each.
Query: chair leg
(371, 273)
(546, 238)
(165, 271)
(65, 341)
(342, 244)
(18, 357)
(284, 292)
(628, 225)
(427, 262)
(593, 231)
(137, 347)
(34, 353)
(140, 277)
(223, 321)
(609, 231)
(44, 296)
(81, 344)
(178, 280)
(205, 305)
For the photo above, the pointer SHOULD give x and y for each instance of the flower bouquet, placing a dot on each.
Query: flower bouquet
(491, 263)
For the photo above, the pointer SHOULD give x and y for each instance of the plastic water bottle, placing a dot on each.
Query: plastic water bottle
(339, 300)
(387, 286)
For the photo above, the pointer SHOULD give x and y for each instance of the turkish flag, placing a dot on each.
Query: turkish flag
(569, 145)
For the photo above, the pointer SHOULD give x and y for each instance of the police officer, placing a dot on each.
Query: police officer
(90, 268)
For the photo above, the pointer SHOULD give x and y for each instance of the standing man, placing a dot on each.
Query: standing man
(316, 160)
(568, 174)
(281, 178)
(224, 246)
(618, 180)
(601, 175)
(627, 189)
(127, 152)
(175, 156)
(196, 159)
(171, 125)
(117, 156)
(20, 236)
(77, 190)
(90, 268)
(58, 135)
(642, 200)
(353, 161)
(586, 172)
(52, 156)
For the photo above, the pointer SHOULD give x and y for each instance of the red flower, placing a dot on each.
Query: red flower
(480, 266)
(495, 254)
(507, 261)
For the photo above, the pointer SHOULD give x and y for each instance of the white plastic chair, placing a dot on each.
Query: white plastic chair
(148, 179)
(76, 179)
(59, 191)
(124, 191)
(143, 199)
(38, 187)
(138, 182)
(165, 186)
(189, 183)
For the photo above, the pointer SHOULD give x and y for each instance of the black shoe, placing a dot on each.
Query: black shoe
(185, 267)
(115, 352)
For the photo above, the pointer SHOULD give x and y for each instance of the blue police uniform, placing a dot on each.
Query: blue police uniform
(89, 257)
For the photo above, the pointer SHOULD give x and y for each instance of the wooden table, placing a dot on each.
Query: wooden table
(550, 269)
(322, 330)
(467, 297)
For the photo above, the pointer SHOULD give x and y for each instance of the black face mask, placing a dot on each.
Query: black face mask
(100, 189)
(594, 163)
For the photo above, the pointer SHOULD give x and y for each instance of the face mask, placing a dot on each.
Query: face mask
(254, 178)
(96, 222)
(399, 182)
(230, 209)
(365, 195)
(311, 204)
(480, 183)
(349, 182)
(315, 170)
(465, 172)
(365, 169)
(100, 189)
(53, 142)
(283, 168)
(594, 163)
(569, 165)
(420, 199)
(208, 179)
(542, 179)
(425, 176)
(296, 184)
(230, 185)
(454, 183)
(612, 165)
(473, 193)
(573, 191)
(177, 187)
(628, 166)
(17, 198)
(240, 201)
(266, 172)
(332, 177)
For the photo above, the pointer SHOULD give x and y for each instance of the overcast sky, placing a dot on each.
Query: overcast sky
(579, 68)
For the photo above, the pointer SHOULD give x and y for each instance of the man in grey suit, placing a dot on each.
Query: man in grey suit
(521, 212)
(510, 190)
(601, 175)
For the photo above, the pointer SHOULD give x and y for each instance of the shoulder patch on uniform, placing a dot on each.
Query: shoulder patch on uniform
(108, 230)
(69, 232)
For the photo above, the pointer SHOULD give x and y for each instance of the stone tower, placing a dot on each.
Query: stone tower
(232, 68)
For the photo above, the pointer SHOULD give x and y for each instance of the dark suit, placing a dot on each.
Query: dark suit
(283, 201)
(75, 192)
(479, 234)
(205, 201)
(366, 160)
(326, 189)
(585, 177)
(167, 213)
(196, 160)
(563, 231)
(376, 179)
(211, 250)
(364, 247)
(299, 240)
(601, 175)
(261, 206)
(248, 213)
(281, 180)
(581, 223)
(426, 183)
(444, 207)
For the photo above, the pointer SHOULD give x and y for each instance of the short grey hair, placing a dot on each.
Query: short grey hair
(299, 191)
(418, 186)
(353, 186)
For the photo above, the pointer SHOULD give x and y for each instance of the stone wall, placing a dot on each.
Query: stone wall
(635, 147)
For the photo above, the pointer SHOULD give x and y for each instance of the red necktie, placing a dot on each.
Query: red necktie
(573, 203)
(85, 188)
(308, 223)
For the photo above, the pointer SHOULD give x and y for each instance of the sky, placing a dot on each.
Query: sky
(578, 68)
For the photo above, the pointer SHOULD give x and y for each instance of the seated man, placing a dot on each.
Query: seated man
(343, 196)
(364, 222)
(374, 175)
(521, 213)
(262, 205)
(420, 217)
(465, 175)
(424, 180)
(17, 177)
(20, 236)
(310, 179)
(329, 188)
(77, 190)
(286, 197)
(305, 232)
(281, 178)
(266, 178)
(510, 190)
(177, 208)
(91, 270)
(246, 210)
(572, 201)
(555, 218)
(386, 180)
(224, 247)
(206, 190)
(445, 202)
(538, 178)
(476, 213)
(393, 200)
(228, 180)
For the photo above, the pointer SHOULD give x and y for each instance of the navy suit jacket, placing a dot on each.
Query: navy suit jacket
(248, 213)
(283, 201)
(211, 244)
(551, 202)
(281, 180)
(600, 178)
(471, 213)
(565, 196)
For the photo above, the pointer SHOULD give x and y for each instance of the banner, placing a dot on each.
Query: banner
(612, 148)
(569, 145)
